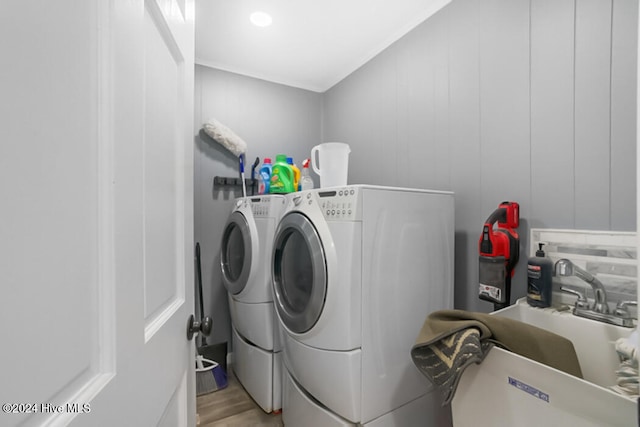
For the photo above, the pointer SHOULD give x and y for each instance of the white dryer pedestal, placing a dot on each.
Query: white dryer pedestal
(300, 409)
(260, 373)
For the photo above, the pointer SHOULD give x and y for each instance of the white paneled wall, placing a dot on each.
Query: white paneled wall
(552, 101)
(592, 103)
(624, 43)
(526, 100)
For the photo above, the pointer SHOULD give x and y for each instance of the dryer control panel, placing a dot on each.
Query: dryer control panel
(339, 203)
(265, 206)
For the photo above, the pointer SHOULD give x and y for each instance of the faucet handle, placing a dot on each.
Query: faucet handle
(582, 301)
(622, 308)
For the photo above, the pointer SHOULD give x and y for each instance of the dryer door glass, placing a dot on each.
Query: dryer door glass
(235, 253)
(299, 273)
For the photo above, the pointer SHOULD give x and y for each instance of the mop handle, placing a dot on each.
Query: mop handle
(244, 187)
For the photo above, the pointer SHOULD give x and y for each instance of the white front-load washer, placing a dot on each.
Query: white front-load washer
(245, 258)
(356, 270)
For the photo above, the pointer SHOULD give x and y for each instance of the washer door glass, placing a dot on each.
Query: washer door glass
(235, 253)
(299, 272)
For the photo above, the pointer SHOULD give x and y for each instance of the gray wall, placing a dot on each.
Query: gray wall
(271, 119)
(530, 101)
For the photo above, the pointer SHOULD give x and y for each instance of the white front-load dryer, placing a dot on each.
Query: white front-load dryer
(356, 270)
(246, 246)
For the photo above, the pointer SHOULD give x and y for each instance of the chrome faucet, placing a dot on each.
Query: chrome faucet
(565, 267)
(600, 309)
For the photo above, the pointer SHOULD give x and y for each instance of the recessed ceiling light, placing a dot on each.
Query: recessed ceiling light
(260, 19)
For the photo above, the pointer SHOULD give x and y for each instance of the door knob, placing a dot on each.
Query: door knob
(204, 326)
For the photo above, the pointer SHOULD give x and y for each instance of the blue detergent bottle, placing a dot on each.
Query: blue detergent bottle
(264, 176)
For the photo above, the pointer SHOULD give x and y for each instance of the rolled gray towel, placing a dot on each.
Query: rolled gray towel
(450, 340)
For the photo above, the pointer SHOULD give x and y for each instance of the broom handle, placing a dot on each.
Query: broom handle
(203, 340)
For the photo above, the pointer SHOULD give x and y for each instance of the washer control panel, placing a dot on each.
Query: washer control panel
(262, 207)
(338, 203)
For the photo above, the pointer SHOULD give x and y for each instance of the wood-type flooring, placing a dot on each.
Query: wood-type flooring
(232, 406)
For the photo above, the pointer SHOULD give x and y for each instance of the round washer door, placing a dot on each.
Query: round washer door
(235, 253)
(299, 272)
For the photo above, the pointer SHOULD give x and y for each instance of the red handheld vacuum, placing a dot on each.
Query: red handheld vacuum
(499, 253)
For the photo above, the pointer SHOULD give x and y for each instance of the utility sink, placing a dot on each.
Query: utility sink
(507, 389)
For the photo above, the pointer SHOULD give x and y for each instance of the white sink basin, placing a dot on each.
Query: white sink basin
(510, 390)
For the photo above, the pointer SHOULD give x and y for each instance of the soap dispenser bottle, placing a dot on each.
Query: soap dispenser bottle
(539, 279)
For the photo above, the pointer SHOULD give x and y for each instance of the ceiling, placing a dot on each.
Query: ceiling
(311, 44)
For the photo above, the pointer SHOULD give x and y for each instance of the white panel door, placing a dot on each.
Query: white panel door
(96, 240)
